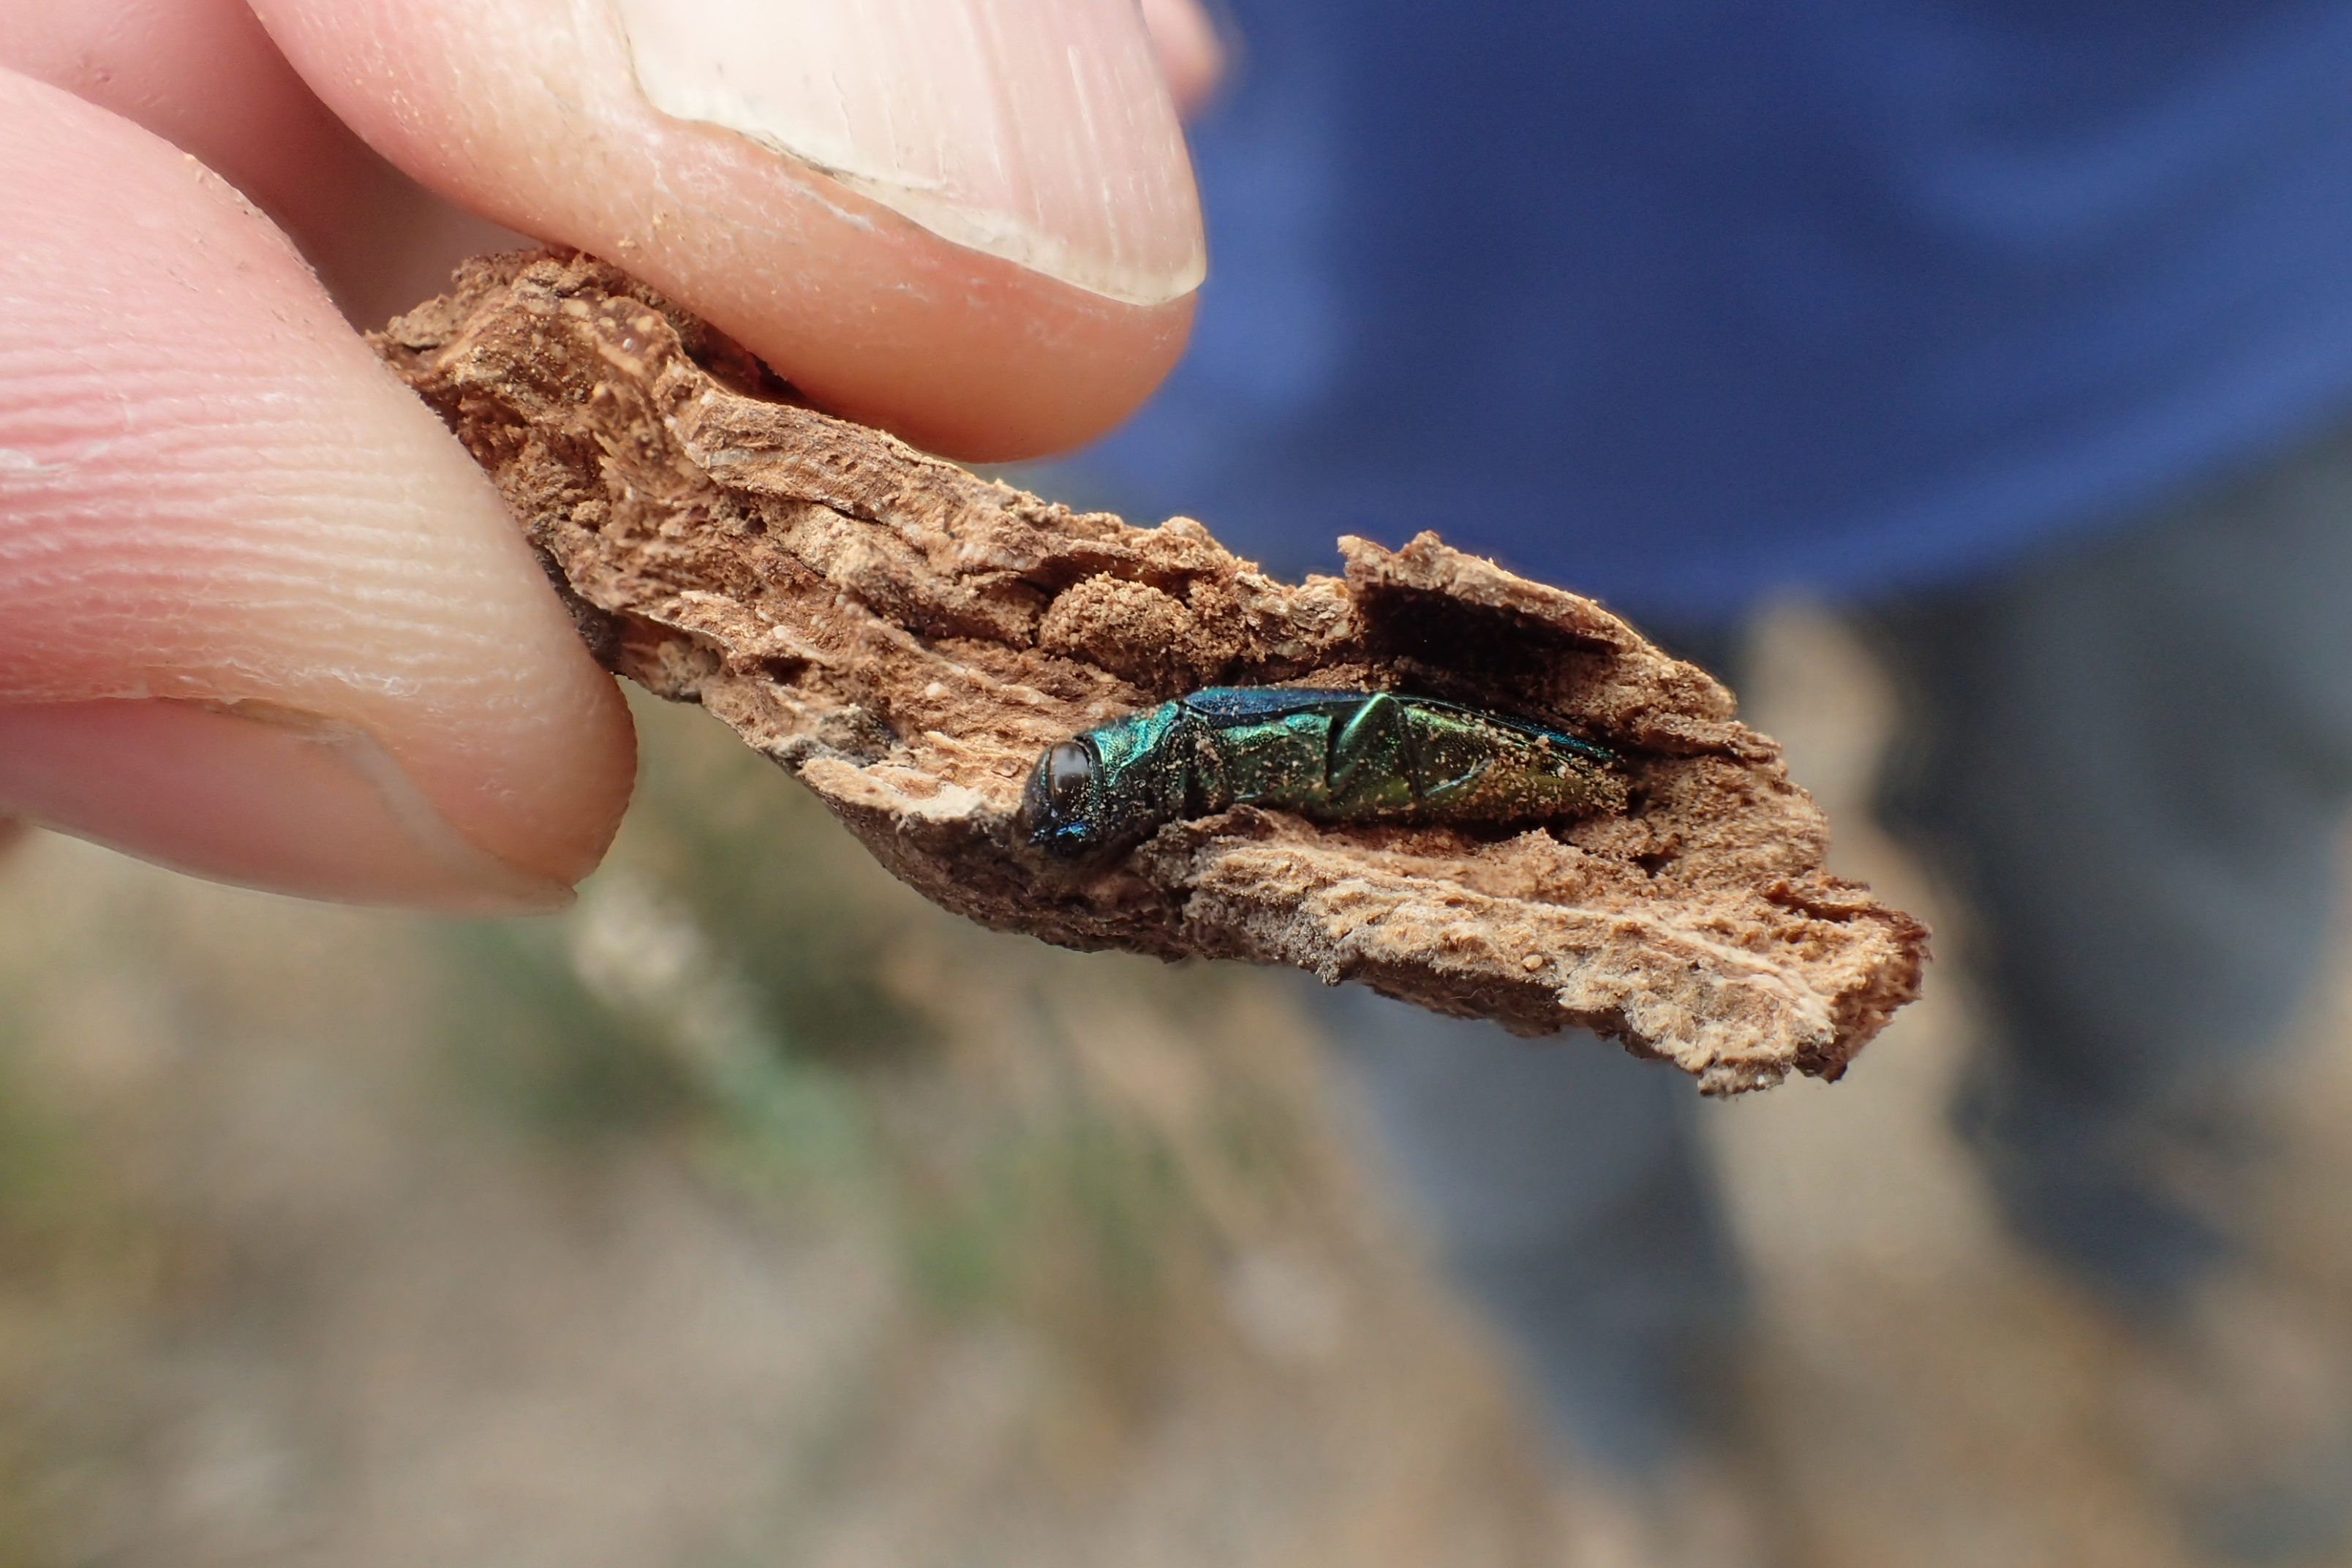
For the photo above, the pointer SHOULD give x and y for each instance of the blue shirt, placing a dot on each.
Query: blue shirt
(1683, 301)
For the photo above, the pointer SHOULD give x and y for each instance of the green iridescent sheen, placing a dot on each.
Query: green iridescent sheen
(1331, 756)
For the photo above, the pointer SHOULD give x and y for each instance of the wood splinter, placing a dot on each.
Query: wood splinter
(907, 639)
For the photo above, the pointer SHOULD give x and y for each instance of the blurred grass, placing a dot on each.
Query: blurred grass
(74, 1255)
(725, 856)
(755, 1212)
(42, 1179)
(742, 978)
(38, 1186)
(527, 1042)
(294, 1199)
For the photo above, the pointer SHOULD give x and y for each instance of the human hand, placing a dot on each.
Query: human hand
(261, 617)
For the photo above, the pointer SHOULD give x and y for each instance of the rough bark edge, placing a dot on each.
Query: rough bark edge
(907, 637)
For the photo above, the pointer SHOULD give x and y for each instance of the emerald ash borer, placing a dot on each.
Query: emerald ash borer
(1331, 756)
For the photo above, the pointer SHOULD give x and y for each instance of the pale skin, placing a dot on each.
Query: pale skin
(262, 618)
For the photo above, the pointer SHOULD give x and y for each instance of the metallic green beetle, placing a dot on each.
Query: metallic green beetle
(1331, 756)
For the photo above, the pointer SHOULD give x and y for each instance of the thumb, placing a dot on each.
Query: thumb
(970, 221)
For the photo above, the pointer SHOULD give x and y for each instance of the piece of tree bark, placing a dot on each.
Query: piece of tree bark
(907, 639)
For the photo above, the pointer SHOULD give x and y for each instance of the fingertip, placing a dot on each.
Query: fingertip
(216, 495)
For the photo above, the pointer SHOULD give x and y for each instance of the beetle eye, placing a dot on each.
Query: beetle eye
(1069, 778)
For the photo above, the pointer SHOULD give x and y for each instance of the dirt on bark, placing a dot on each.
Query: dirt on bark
(907, 639)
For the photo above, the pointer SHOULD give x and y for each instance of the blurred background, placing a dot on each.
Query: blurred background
(755, 1212)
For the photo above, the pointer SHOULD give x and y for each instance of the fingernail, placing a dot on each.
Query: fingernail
(1042, 133)
(261, 797)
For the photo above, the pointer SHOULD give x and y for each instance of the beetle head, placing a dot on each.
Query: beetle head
(1059, 807)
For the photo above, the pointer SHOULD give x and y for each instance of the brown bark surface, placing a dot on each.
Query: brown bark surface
(906, 639)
